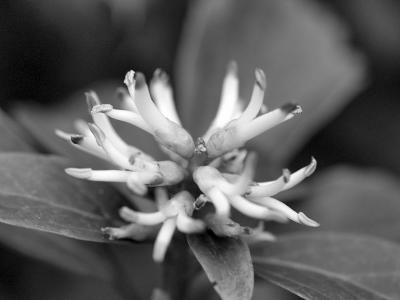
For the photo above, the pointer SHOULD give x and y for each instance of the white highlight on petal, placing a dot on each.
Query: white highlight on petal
(98, 175)
(228, 102)
(161, 92)
(163, 239)
(148, 219)
(301, 174)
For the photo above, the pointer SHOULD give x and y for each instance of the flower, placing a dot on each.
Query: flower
(212, 169)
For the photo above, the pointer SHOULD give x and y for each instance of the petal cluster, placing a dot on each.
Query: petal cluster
(216, 164)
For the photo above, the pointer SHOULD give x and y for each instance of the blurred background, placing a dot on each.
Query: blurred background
(49, 50)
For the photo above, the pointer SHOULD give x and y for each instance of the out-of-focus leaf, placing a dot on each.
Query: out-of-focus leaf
(36, 193)
(76, 256)
(331, 266)
(227, 263)
(376, 26)
(351, 200)
(29, 279)
(42, 121)
(12, 136)
(298, 44)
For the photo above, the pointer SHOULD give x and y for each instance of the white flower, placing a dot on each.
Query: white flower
(219, 166)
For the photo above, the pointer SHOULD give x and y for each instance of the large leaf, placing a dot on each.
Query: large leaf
(298, 44)
(351, 200)
(41, 121)
(331, 266)
(36, 193)
(227, 263)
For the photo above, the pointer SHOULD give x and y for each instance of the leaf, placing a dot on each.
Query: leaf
(351, 200)
(72, 255)
(36, 193)
(42, 121)
(227, 263)
(331, 266)
(13, 137)
(297, 43)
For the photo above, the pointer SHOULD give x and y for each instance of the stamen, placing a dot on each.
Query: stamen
(228, 103)
(161, 92)
(163, 239)
(301, 174)
(286, 210)
(269, 188)
(166, 132)
(256, 100)
(255, 211)
(147, 219)
(112, 152)
(103, 122)
(124, 116)
(267, 121)
(126, 101)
